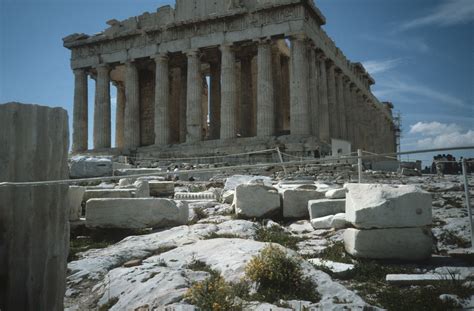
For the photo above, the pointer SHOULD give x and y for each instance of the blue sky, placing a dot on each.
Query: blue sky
(420, 52)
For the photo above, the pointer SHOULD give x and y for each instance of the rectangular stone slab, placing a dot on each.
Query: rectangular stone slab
(387, 206)
(395, 243)
(135, 213)
(419, 279)
(256, 201)
(325, 207)
(295, 202)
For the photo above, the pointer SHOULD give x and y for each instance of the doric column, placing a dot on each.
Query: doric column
(120, 116)
(341, 111)
(215, 101)
(80, 114)
(228, 93)
(102, 122)
(162, 98)
(332, 100)
(183, 104)
(314, 94)
(324, 130)
(347, 108)
(350, 113)
(265, 97)
(247, 121)
(132, 106)
(277, 87)
(193, 98)
(299, 82)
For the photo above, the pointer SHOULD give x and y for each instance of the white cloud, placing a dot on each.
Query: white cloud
(450, 12)
(440, 135)
(380, 66)
(407, 43)
(407, 90)
(454, 139)
(433, 128)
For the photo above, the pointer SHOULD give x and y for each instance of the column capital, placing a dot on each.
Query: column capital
(161, 57)
(193, 53)
(103, 66)
(263, 40)
(79, 70)
(320, 55)
(298, 37)
(227, 47)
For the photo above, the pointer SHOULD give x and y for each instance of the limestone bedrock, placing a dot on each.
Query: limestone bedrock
(387, 206)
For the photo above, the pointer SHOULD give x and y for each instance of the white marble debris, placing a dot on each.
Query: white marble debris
(253, 200)
(135, 213)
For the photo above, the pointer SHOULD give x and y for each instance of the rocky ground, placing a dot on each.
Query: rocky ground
(153, 270)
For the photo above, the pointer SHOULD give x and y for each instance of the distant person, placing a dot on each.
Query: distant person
(176, 173)
(168, 174)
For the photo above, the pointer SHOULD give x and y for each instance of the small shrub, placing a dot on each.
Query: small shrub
(198, 265)
(279, 276)
(451, 238)
(214, 294)
(336, 252)
(277, 235)
(112, 301)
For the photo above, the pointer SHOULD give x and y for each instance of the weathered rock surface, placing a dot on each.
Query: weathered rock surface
(396, 243)
(163, 279)
(85, 167)
(76, 196)
(254, 200)
(325, 207)
(387, 206)
(295, 202)
(135, 213)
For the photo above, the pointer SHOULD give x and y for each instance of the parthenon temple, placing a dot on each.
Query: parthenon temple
(217, 76)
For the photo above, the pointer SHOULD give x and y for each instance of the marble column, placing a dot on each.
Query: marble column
(132, 106)
(313, 89)
(299, 87)
(277, 88)
(248, 121)
(80, 114)
(332, 100)
(120, 116)
(183, 104)
(102, 122)
(347, 108)
(193, 102)
(215, 101)
(162, 100)
(228, 93)
(265, 97)
(341, 106)
(324, 130)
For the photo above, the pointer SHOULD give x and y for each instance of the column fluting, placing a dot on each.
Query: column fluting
(228, 93)
(80, 114)
(102, 122)
(162, 98)
(193, 98)
(265, 97)
(132, 106)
